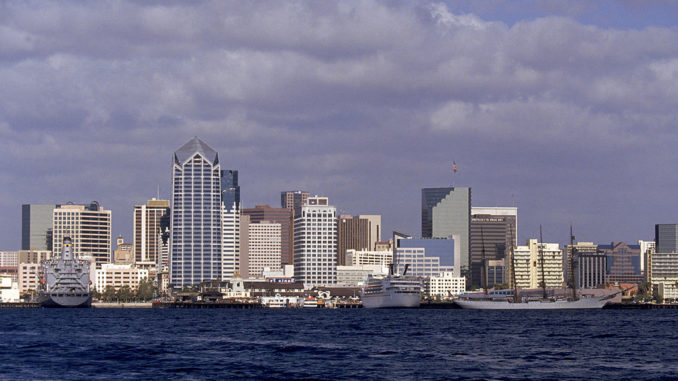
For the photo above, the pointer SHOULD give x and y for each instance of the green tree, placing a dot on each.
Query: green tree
(109, 294)
(145, 290)
(125, 294)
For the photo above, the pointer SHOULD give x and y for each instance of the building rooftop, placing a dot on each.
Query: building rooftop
(193, 146)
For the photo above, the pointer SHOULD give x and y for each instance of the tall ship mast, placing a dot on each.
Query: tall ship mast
(65, 281)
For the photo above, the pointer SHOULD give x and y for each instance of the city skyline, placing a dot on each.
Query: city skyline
(565, 111)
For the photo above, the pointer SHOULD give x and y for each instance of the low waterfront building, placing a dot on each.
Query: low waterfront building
(354, 276)
(363, 257)
(266, 288)
(9, 290)
(29, 277)
(118, 276)
(445, 285)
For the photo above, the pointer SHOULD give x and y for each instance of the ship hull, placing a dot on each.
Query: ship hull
(65, 301)
(584, 303)
(391, 301)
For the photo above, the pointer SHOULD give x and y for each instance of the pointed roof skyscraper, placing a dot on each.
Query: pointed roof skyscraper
(193, 146)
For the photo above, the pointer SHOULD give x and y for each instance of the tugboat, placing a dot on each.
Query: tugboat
(65, 282)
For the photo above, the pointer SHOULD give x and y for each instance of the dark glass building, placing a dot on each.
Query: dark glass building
(230, 190)
(493, 233)
(666, 238)
(36, 226)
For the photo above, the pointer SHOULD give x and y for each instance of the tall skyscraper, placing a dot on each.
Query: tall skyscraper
(231, 242)
(493, 233)
(282, 216)
(315, 245)
(36, 226)
(150, 221)
(89, 226)
(196, 223)
(446, 212)
(358, 233)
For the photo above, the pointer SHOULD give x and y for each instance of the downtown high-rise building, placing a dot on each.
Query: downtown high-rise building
(537, 262)
(196, 210)
(361, 232)
(293, 199)
(315, 244)
(493, 234)
(36, 226)
(282, 216)
(151, 221)
(446, 212)
(88, 226)
(264, 248)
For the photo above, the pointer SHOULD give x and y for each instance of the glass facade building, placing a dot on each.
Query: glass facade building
(36, 226)
(426, 257)
(196, 223)
(666, 238)
(446, 212)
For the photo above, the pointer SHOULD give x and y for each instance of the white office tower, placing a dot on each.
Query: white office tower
(88, 226)
(315, 245)
(230, 240)
(196, 222)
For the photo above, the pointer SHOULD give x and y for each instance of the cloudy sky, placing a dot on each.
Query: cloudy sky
(566, 109)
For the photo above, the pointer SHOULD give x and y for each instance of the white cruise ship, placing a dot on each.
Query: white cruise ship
(392, 291)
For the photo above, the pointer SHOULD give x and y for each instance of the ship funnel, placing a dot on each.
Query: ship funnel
(67, 249)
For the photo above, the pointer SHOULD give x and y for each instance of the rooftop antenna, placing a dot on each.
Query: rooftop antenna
(158, 192)
(454, 171)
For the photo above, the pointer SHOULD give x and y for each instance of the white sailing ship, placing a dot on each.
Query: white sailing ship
(507, 300)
